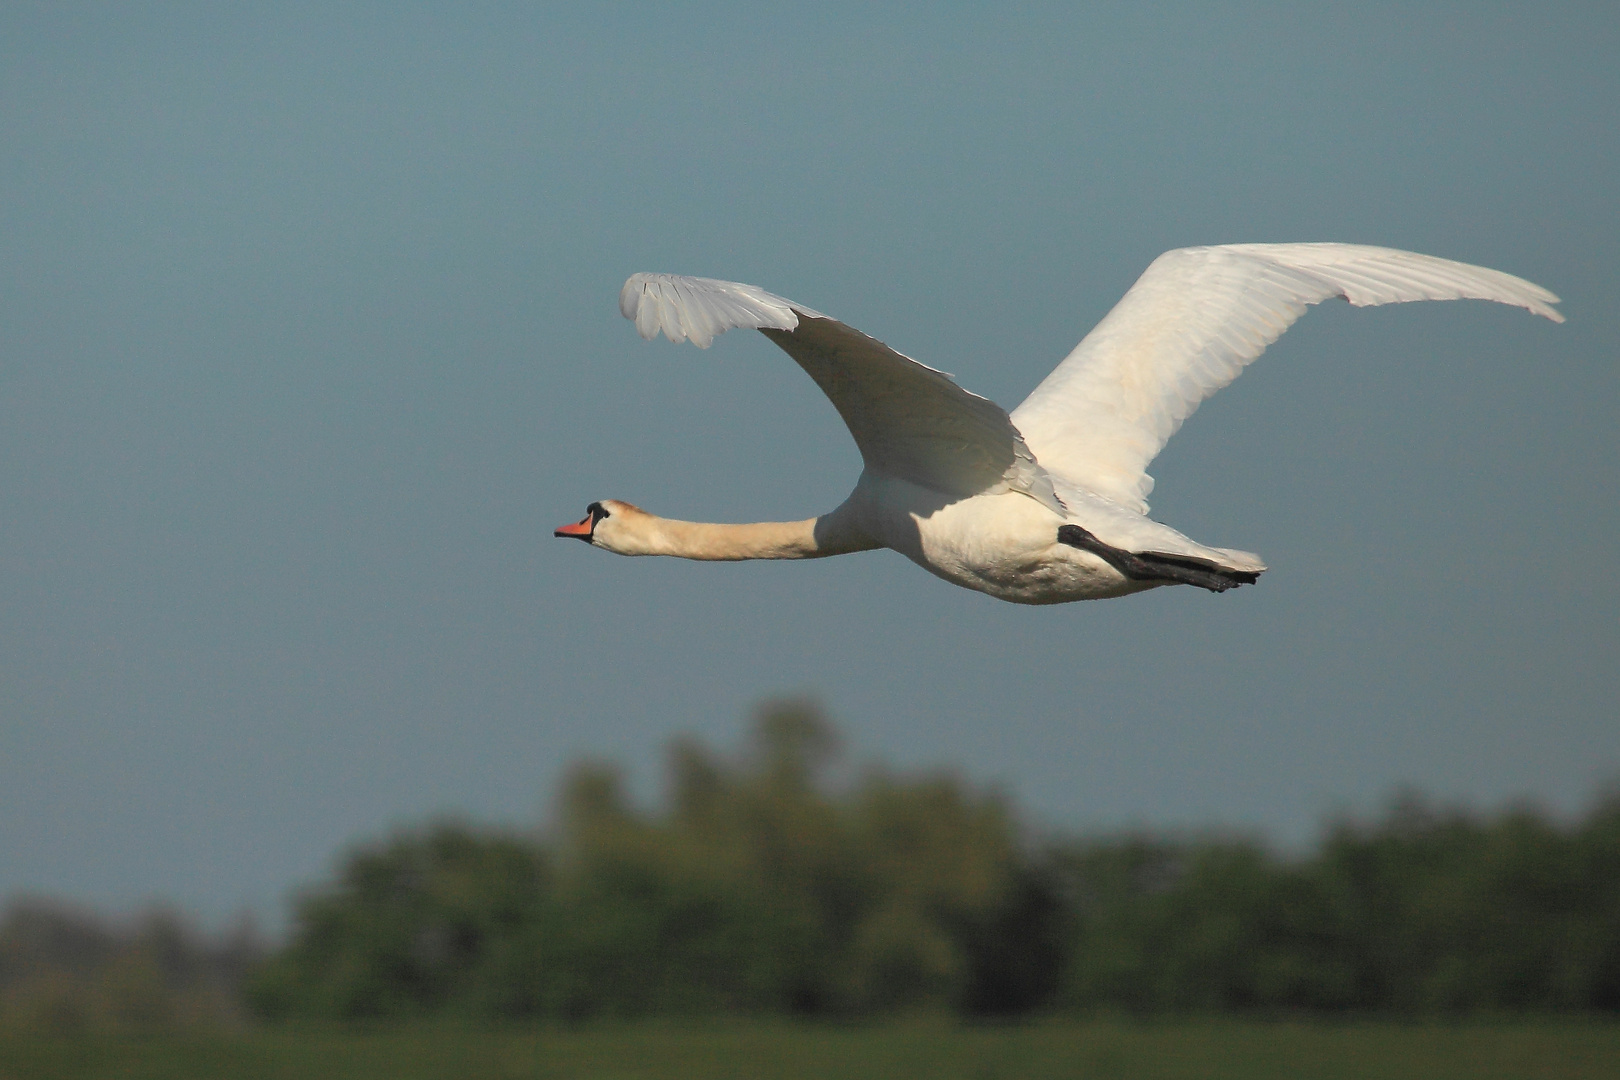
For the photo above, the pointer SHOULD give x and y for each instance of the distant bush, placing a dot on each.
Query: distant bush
(445, 920)
(1421, 913)
(68, 971)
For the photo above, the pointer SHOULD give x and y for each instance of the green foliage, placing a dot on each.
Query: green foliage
(444, 920)
(70, 972)
(780, 883)
(763, 888)
(1448, 913)
(1421, 913)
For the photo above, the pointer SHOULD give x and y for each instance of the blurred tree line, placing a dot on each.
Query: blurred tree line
(761, 889)
(66, 971)
(765, 888)
(776, 883)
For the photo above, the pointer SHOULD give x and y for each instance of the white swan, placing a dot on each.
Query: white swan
(1049, 504)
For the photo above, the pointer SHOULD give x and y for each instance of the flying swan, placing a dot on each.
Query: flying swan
(1048, 504)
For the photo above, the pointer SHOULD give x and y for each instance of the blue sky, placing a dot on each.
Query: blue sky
(309, 336)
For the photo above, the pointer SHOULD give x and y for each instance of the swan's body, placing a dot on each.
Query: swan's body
(1046, 505)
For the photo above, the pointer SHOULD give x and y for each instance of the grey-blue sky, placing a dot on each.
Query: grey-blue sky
(308, 336)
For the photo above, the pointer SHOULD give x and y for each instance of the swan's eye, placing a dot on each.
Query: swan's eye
(596, 512)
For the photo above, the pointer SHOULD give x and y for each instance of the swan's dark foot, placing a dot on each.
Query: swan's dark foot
(1158, 566)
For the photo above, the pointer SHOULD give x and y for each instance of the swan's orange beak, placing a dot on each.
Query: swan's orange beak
(580, 530)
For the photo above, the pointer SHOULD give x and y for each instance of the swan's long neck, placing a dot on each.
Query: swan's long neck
(641, 533)
(760, 540)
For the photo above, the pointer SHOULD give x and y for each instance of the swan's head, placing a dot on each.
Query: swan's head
(610, 524)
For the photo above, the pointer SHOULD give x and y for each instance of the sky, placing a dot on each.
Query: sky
(309, 337)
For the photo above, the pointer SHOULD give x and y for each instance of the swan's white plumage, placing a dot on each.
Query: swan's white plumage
(1188, 327)
(947, 470)
(697, 309)
(908, 419)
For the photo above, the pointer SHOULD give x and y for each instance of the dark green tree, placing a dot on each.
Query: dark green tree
(447, 919)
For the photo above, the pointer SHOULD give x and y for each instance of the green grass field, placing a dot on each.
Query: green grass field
(765, 1051)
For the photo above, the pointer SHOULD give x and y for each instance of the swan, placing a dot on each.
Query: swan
(1047, 504)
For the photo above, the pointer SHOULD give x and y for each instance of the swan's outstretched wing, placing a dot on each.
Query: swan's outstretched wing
(908, 420)
(1190, 324)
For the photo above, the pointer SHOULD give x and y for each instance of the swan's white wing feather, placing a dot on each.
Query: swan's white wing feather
(908, 420)
(698, 309)
(1188, 327)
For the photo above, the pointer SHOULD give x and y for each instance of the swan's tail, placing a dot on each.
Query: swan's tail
(1162, 566)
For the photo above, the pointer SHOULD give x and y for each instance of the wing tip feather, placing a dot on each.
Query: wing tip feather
(700, 309)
